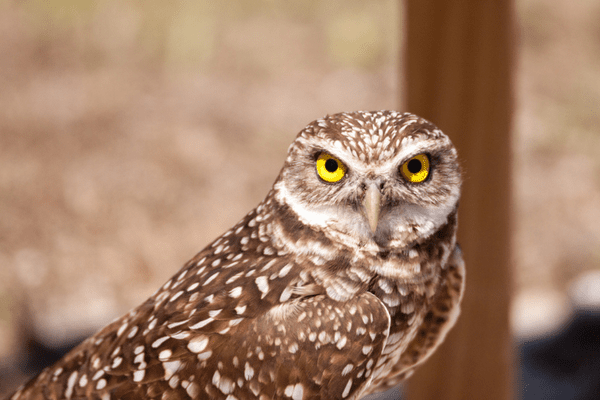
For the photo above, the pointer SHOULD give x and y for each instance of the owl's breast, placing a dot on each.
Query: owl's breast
(408, 306)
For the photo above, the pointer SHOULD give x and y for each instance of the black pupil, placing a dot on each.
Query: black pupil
(414, 166)
(331, 165)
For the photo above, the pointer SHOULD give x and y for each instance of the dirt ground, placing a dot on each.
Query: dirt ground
(133, 133)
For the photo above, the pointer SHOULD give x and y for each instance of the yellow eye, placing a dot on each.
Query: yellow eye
(416, 169)
(329, 168)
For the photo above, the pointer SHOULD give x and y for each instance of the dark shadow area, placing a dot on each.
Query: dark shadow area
(33, 357)
(565, 365)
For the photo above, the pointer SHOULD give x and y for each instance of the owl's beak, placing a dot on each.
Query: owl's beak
(372, 204)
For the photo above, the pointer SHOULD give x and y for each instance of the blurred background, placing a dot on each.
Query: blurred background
(132, 133)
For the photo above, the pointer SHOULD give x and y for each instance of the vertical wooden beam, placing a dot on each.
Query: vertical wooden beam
(458, 64)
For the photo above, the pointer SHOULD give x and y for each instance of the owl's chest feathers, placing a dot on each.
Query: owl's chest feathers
(406, 295)
(406, 281)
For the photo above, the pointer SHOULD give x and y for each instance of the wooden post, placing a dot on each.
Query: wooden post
(458, 64)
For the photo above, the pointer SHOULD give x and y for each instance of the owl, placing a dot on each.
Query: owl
(338, 284)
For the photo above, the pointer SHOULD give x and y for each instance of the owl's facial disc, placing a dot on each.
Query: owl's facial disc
(373, 181)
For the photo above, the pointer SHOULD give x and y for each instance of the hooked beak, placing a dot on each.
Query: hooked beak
(372, 205)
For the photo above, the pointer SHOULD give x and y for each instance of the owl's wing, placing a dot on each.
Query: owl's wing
(437, 322)
(307, 348)
(310, 348)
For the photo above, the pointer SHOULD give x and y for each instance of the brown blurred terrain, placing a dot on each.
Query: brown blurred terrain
(133, 133)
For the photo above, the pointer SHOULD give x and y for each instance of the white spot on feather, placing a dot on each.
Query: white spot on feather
(263, 285)
(197, 344)
(214, 313)
(171, 367)
(346, 391)
(116, 362)
(132, 332)
(139, 375)
(211, 278)
(122, 329)
(202, 323)
(101, 385)
(347, 369)
(248, 372)
(192, 390)
(158, 342)
(240, 309)
(70, 384)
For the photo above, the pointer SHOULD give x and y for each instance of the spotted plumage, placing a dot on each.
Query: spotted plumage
(337, 285)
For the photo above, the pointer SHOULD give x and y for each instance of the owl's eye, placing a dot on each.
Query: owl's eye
(329, 168)
(416, 169)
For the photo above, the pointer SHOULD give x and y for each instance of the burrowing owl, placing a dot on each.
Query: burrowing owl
(342, 280)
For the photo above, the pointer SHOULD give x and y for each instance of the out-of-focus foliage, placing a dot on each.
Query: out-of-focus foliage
(133, 133)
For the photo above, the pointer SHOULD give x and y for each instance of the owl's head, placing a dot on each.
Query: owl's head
(376, 180)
